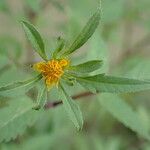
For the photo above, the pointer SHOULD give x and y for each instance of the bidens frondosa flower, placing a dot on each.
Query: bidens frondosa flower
(58, 71)
(52, 70)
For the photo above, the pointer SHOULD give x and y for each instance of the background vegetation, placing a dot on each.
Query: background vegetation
(121, 41)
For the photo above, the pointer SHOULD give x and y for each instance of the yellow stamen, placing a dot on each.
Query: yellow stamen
(52, 70)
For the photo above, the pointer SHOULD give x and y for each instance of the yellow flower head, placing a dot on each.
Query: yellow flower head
(52, 70)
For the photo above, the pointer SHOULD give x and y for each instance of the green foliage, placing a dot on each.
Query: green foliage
(18, 115)
(35, 38)
(41, 99)
(61, 44)
(14, 75)
(123, 24)
(12, 84)
(72, 109)
(87, 67)
(20, 84)
(124, 113)
(85, 34)
(103, 83)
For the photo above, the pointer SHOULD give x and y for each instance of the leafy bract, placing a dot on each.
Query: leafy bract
(16, 117)
(35, 39)
(103, 83)
(21, 84)
(41, 99)
(87, 67)
(124, 113)
(61, 43)
(85, 34)
(72, 109)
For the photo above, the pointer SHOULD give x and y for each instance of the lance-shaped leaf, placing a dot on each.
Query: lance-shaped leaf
(124, 113)
(35, 38)
(72, 109)
(85, 34)
(41, 99)
(21, 84)
(87, 67)
(111, 84)
(61, 43)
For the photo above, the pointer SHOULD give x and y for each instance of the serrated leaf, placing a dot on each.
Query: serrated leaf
(41, 99)
(35, 38)
(111, 84)
(85, 34)
(87, 67)
(16, 117)
(20, 84)
(124, 113)
(72, 109)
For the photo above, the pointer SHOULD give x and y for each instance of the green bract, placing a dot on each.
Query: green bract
(72, 109)
(35, 38)
(41, 99)
(61, 44)
(102, 83)
(87, 67)
(85, 34)
(75, 74)
(20, 84)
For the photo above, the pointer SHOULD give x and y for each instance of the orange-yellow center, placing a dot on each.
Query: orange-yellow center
(52, 70)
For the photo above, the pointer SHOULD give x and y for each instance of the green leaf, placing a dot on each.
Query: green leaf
(61, 44)
(35, 39)
(124, 113)
(16, 117)
(87, 67)
(85, 34)
(41, 99)
(72, 109)
(20, 84)
(111, 84)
